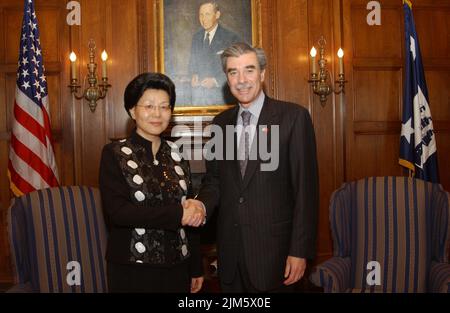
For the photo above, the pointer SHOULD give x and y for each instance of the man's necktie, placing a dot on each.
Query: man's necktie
(244, 144)
(206, 41)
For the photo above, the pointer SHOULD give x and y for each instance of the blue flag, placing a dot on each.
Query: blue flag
(417, 142)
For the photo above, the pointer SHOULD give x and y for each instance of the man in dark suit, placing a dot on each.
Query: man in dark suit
(267, 216)
(208, 82)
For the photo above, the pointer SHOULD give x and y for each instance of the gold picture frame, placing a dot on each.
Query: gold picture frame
(163, 45)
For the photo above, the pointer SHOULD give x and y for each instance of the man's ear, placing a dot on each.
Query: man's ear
(217, 15)
(263, 74)
(228, 81)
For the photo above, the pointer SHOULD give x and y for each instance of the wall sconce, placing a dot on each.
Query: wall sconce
(319, 81)
(95, 91)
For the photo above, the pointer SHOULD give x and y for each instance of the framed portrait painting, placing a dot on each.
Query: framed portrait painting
(191, 36)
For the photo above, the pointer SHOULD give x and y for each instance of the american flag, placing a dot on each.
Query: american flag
(418, 151)
(31, 163)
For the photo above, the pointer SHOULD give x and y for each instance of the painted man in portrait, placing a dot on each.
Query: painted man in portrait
(207, 78)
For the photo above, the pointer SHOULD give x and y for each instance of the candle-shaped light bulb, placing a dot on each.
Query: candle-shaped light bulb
(73, 59)
(341, 62)
(104, 58)
(313, 54)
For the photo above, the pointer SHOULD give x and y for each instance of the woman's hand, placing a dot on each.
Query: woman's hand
(193, 213)
(196, 284)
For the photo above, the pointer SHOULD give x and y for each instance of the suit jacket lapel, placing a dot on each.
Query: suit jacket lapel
(266, 118)
(235, 163)
(216, 38)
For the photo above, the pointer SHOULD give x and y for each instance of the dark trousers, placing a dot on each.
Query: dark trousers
(143, 278)
(242, 283)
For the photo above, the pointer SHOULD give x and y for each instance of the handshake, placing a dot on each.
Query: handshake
(194, 213)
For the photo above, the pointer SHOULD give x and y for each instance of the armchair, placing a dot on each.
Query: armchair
(401, 223)
(58, 241)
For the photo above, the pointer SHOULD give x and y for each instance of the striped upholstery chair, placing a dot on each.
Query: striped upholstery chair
(399, 222)
(51, 227)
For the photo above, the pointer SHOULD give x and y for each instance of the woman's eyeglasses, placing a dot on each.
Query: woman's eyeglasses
(152, 107)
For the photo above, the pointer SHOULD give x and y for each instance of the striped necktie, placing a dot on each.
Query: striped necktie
(244, 143)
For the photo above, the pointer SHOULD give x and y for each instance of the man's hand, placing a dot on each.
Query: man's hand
(295, 268)
(193, 213)
(209, 82)
(196, 284)
(194, 81)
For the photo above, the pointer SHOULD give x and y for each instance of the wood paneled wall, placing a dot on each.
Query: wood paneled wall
(375, 68)
(357, 133)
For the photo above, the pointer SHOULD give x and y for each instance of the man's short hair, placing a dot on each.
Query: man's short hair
(240, 48)
(213, 3)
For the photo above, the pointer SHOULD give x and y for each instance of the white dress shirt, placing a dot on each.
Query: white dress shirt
(211, 34)
(255, 109)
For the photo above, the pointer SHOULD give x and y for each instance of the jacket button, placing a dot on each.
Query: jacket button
(241, 200)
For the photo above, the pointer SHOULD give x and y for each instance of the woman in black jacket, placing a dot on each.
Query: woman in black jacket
(143, 183)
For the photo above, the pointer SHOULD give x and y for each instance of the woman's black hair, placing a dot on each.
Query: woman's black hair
(142, 82)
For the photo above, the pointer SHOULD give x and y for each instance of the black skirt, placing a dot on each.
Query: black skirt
(144, 278)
